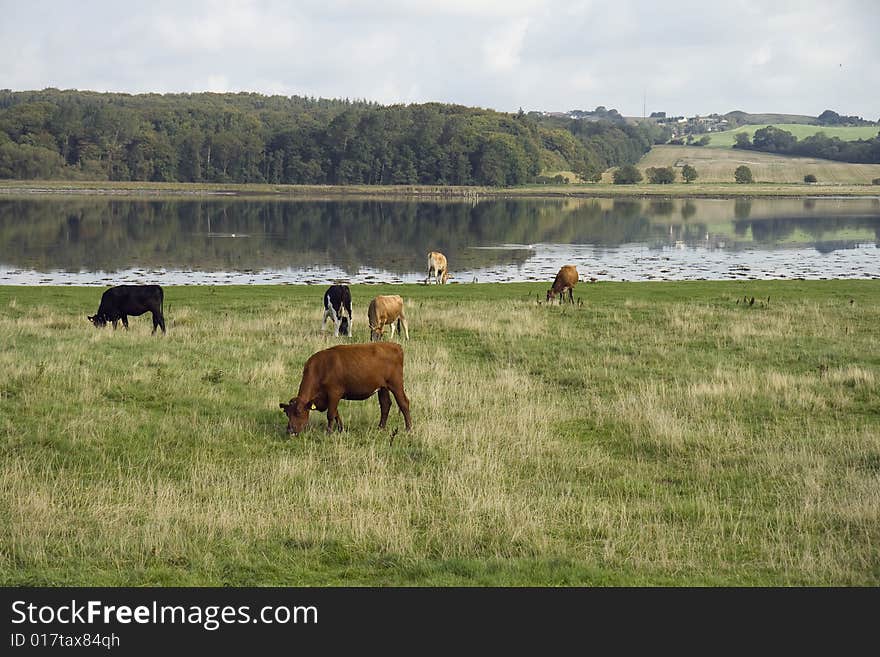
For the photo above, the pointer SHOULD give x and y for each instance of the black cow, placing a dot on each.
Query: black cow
(123, 300)
(337, 307)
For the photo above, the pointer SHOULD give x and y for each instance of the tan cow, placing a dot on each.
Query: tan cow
(437, 268)
(565, 280)
(384, 310)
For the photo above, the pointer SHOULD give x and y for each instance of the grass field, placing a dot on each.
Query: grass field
(657, 434)
(859, 185)
(715, 165)
(727, 138)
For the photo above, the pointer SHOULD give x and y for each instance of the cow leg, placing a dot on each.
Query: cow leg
(403, 404)
(330, 314)
(402, 321)
(115, 321)
(125, 322)
(384, 406)
(334, 317)
(162, 323)
(333, 414)
(570, 296)
(392, 330)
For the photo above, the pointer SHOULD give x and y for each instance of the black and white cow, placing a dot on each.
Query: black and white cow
(337, 307)
(119, 302)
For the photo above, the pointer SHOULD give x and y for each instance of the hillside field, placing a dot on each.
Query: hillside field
(652, 434)
(716, 165)
(727, 138)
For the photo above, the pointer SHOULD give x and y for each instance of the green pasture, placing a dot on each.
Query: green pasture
(676, 434)
(727, 138)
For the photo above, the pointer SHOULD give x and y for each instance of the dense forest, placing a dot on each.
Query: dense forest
(776, 140)
(252, 138)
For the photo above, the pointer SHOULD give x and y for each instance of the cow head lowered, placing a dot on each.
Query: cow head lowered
(98, 320)
(297, 415)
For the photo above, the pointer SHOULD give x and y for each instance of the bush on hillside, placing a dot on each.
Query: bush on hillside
(689, 173)
(743, 174)
(661, 175)
(627, 175)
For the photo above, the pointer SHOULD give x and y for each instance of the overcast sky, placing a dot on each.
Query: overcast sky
(683, 56)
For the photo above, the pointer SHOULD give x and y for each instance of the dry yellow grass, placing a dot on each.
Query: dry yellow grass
(715, 165)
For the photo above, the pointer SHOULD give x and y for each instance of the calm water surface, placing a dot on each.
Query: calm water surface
(99, 241)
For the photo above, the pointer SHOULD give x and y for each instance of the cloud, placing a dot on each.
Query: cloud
(501, 49)
(787, 56)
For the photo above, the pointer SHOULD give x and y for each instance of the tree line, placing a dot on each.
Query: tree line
(252, 138)
(776, 140)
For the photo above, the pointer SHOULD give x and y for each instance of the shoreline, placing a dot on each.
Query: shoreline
(15, 188)
(467, 289)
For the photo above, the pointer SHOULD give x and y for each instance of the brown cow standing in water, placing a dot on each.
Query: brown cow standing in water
(351, 371)
(565, 280)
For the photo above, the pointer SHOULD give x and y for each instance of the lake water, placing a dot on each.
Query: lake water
(104, 241)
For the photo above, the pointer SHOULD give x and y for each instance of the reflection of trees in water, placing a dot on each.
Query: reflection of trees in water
(817, 227)
(98, 234)
(742, 208)
(688, 210)
(111, 235)
(662, 208)
(106, 234)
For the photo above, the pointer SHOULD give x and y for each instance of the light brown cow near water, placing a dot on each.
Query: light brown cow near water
(351, 371)
(565, 280)
(384, 310)
(437, 268)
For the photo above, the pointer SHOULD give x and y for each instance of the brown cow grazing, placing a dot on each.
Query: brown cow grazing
(383, 310)
(565, 280)
(350, 371)
(437, 268)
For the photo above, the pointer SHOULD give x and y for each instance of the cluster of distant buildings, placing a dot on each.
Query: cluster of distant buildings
(679, 125)
(695, 125)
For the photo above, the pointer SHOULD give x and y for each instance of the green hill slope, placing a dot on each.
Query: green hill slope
(727, 138)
